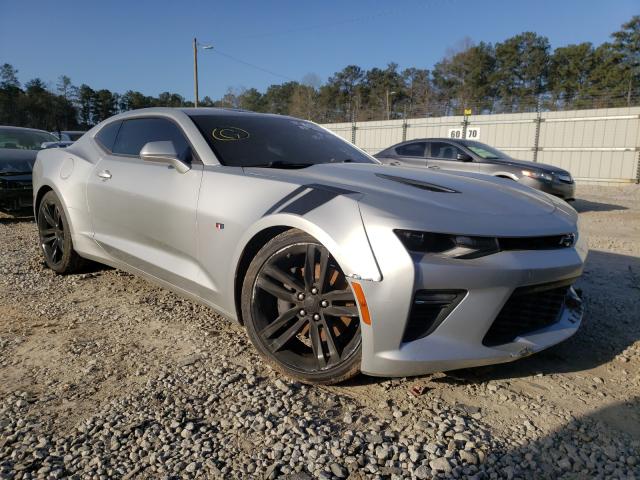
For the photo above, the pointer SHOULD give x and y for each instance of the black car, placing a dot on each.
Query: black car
(472, 156)
(18, 149)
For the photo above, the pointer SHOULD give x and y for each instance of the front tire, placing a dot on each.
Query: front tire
(300, 311)
(55, 236)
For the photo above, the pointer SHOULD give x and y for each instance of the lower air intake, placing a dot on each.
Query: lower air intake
(429, 309)
(528, 309)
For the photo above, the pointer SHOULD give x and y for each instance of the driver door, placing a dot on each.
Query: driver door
(144, 214)
(444, 156)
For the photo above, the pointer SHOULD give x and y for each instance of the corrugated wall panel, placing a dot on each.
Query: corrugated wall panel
(594, 145)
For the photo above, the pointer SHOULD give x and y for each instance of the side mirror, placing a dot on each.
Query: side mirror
(163, 152)
(464, 157)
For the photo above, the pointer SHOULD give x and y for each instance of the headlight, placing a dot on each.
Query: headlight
(453, 246)
(537, 175)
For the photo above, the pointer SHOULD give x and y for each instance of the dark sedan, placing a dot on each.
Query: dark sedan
(472, 156)
(18, 150)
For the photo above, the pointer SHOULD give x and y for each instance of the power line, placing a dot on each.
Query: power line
(265, 70)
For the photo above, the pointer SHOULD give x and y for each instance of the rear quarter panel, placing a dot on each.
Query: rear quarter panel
(65, 171)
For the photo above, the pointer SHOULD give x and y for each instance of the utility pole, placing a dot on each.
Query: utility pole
(195, 71)
(388, 106)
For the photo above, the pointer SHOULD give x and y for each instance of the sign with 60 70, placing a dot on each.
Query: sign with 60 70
(473, 133)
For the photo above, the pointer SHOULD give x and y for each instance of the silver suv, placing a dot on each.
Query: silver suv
(472, 156)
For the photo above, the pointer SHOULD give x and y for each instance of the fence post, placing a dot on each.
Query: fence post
(353, 128)
(465, 124)
(536, 138)
(404, 124)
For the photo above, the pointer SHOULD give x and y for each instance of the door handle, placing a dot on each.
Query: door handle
(105, 174)
(433, 166)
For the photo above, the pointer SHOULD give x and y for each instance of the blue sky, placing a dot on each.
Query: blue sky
(146, 45)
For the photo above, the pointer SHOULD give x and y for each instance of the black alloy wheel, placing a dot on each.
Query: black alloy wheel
(300, 310)
(55, 237)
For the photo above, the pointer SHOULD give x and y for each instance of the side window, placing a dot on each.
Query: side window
(135, 133)
(411, 150)
(107, 135)
(444, 151)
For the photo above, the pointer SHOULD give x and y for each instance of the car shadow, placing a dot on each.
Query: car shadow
(583, 206)
(611, 290)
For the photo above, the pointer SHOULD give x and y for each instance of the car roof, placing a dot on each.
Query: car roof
(23, 129)
(200, 111)
(437, 139)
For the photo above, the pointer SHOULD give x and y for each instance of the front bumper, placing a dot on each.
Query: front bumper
(457, 342)
(16, 194)
(564, 190)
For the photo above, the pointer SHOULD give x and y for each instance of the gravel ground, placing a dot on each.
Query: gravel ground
(103, 375)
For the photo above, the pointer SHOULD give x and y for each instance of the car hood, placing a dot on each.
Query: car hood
(16, 161)
(529, 165)
(415, 198)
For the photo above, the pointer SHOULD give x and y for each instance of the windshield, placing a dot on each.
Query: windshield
(24, 139)
(245, 140)
(484, 151)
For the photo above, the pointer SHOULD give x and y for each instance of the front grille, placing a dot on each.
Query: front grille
(527, 310)
(534, 243)
(429, 309)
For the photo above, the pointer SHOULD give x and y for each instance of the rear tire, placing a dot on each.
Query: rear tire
(55, 236)
(300, 312)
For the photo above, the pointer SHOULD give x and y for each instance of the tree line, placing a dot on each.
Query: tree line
(522, 73)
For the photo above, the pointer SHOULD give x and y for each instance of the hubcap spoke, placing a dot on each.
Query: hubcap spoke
(341, 311)
(334, 356)
(316, 344)
(287, 335)
(48, 237)
(284, 277)
(310, 266)
(324, 265)
(56, 216)
(274, 289)
(47, 216)
(279, 323)
(339, 296)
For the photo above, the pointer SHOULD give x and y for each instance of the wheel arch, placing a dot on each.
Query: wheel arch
(251, 248)
(42, 191)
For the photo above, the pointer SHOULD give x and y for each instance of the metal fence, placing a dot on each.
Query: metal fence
(596, 146)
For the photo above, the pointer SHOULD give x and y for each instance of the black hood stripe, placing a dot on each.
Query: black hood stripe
(285, 199)
(317, 196)
(432, 187)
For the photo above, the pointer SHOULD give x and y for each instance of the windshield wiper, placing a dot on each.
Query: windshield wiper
(280, 164)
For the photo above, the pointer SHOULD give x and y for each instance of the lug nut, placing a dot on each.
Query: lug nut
(324, 303)
(302, 313)
(301, 296)
(314, 290)
(316, 316)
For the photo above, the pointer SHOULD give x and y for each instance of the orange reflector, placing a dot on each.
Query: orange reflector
(364, 309)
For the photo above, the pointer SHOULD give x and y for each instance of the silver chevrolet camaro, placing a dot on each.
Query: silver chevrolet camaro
(334, 263)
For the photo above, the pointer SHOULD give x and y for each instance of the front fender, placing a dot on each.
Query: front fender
(337, 225)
